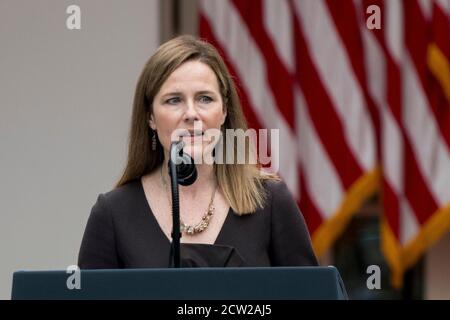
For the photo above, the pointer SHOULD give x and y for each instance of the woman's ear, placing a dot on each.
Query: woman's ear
(151, 121)
(224, 116)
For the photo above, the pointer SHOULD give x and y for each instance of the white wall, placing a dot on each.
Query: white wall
(65, 104)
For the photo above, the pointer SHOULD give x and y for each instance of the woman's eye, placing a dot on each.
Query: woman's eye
(174, 100)
(205, 99)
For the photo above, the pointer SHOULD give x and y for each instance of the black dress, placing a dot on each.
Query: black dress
(122, 232)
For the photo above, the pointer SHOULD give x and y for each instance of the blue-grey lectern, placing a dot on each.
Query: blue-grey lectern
(274, 283)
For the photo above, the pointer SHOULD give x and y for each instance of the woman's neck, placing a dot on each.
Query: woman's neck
(206, 179)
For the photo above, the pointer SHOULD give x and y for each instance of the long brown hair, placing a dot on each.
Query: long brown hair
(240, 183)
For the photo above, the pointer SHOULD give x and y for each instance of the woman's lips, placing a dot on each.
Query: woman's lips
(195, 138)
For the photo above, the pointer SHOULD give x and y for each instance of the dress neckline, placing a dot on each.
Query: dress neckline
(158, 227)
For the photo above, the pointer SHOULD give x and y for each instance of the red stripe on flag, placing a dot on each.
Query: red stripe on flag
(391, 208)
(322, 112)
(207, 33)
(441, 30)
(307, 207)
(379, 33)
(417, 185)
(278, 77)
(416, 190)
(417, 43)
(346, 22)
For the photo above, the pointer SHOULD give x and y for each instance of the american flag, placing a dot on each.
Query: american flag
(359, 109)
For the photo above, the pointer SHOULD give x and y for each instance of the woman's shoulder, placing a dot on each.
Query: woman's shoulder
(272, 190)
(278, 195)
(124, 194)
(275, 186)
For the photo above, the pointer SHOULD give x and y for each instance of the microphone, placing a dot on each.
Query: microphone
(185, 169)
(182, 171)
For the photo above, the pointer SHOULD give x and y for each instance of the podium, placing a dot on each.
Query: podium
(274, 283)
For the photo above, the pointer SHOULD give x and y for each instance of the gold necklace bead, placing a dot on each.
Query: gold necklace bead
(205, 220)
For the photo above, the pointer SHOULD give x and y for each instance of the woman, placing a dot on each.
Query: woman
(233, 215)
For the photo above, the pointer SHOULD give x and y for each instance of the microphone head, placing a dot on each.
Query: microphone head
(185, 168)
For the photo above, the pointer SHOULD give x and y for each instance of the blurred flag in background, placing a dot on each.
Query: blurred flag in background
(359, 110)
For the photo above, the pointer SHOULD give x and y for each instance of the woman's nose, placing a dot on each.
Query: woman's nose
(191, 113)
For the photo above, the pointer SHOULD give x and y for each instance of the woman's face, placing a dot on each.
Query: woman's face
(189, 99)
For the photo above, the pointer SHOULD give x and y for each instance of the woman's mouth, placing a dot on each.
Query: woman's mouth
(192, 134)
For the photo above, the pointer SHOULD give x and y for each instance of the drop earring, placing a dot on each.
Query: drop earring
(154, 140)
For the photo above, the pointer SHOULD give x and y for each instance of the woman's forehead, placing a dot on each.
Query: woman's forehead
(191, 76)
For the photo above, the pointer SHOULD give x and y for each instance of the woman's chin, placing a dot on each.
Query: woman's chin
(196, 152)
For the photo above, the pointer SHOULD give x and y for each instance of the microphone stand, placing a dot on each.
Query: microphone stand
(182, 171)
(176, 234)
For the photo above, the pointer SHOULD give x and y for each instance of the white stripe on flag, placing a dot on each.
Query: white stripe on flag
(409, 226)
(444, 5)
(391, 137)
(252, 71)
(337, 75)
(322, 182)
(426, 7)
(278, 22)
(430, 149)
(394, 31)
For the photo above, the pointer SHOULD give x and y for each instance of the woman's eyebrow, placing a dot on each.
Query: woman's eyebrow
(179, 93)
(173, 93)
(206, 92)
